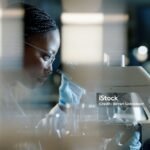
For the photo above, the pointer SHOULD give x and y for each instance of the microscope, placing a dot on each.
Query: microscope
(133, 81)
(101, 113)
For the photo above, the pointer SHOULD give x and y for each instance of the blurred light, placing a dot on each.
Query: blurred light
(68, 106)
(137, 111)
(106, 59)
(83, 134)
(123, 61)
(82, 44)
(11, 13)
(82, 36)
(83, 105)
(141, 53)
(116, 18)
(57, 115)
(67, 132)
(92, 18)
(82, 18)
(142, 50)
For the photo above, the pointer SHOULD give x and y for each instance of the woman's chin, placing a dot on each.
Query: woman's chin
(38, 83)
(35, 83)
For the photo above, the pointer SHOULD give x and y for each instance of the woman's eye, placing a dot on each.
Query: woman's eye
(46, 58)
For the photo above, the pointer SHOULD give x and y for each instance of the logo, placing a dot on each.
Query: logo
(107, 98)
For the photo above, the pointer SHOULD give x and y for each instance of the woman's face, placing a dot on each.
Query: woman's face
(39, 54)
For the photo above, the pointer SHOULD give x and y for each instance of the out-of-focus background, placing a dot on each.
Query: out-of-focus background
(92, 33)
(112, 26)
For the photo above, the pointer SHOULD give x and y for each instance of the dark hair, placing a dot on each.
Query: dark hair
(36, 21)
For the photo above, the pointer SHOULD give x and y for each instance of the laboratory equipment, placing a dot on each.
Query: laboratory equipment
(134, 84)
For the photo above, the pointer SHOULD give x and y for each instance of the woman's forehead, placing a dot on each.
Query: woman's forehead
(49, 41)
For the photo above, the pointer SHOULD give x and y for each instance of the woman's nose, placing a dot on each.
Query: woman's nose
(48, 69)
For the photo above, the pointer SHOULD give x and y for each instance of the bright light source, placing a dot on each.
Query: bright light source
(141, 53)
(142, 50)
(92, 18)
(106, 59)
(57, 115)
(123, 60)
(82, 18)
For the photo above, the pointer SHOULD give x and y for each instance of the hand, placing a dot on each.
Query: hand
(132, 144)
(70, 93)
